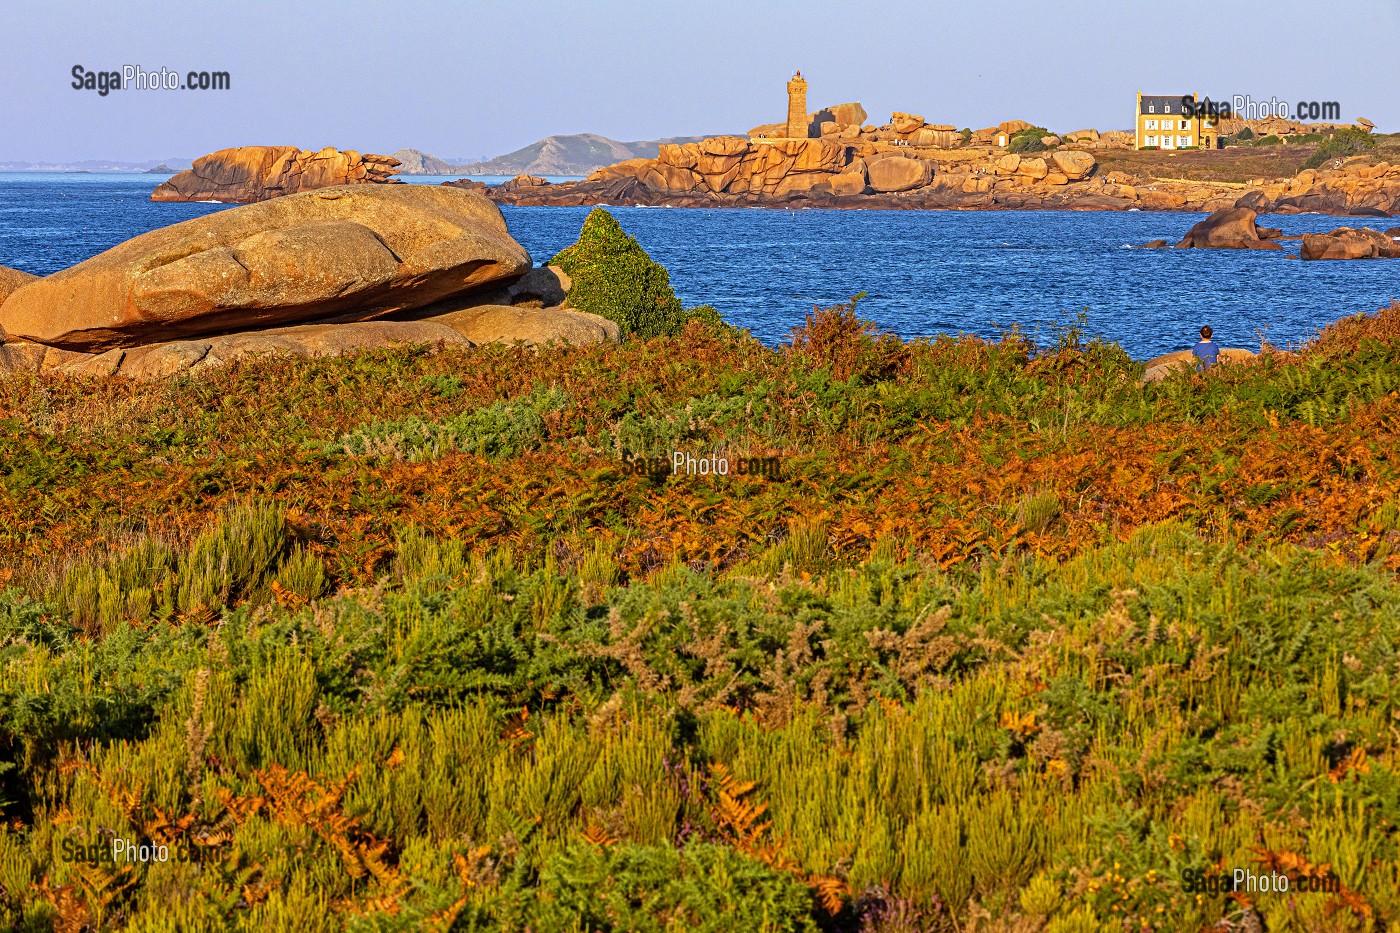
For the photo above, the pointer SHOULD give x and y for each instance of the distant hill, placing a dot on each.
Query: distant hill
(578, 154)
(420, 163)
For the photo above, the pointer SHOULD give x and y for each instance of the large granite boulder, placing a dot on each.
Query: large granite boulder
(671, 178)
(547, 285)
(847, 184)
(843, 115)
(21, 357)
(1073, 163)
(1161, 367)
(1350, 243)
(12, 279)
(906, 123)
(159, 360)
(447, 324)
(510, 324)
(850, 114)
(898, 173)
(342, 254)
(246, 174)
(1033, 168)
(627, 168)
(300, 340)
(1232, 228)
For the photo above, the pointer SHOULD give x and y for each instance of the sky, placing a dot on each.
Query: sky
(471, 79)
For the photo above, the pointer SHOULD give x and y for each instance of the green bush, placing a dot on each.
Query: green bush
(1245, 134)
(616, 279)
(1027, 140)
(707, 315)
(1345, 142)
(1270, 140)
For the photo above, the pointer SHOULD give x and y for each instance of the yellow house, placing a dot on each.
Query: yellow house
(1164, 123)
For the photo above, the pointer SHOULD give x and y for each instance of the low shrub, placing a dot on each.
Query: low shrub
(1348, 141)
(1027, 140)
(616, 279)
(852, 349)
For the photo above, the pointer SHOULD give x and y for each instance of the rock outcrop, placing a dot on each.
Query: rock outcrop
(1359, 188)
(158, 360)
(834, 171)
(1350, 243)
(448, 324)
(510, 324)
(1159, 368)
(350, 253)
(1234, 228)
(897, 173)
(12, 279)
(459, 322)
(1074, 164)
(730, 165)
(256, 173)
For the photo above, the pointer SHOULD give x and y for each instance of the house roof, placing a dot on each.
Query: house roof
(1164, 103)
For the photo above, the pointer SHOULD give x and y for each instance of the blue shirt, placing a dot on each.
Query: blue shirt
(1206, 354)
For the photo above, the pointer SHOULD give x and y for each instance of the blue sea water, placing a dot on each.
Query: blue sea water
(923, 272)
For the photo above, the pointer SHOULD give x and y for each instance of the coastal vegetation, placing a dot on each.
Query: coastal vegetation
(613, 277)
(1347, 141)
(1244, 158)
(1027, 140)
(399, 641)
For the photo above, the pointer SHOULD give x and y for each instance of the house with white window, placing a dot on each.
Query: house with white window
(1162, 123)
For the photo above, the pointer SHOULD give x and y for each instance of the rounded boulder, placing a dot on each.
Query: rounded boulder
(899, 173)
(349, 253)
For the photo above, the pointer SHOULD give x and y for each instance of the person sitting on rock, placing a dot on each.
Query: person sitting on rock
(1206, 352)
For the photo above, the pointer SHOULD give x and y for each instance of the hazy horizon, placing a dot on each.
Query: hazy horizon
(477, 81)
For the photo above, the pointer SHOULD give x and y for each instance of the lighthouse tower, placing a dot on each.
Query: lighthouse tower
(797, 107)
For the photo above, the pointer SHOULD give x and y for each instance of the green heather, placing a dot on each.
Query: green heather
(397, 642)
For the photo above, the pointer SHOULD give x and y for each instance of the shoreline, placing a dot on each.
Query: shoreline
(1156, 199)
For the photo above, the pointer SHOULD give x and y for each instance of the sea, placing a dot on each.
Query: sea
(921, 273)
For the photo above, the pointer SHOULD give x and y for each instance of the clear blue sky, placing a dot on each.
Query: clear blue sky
(473, 79)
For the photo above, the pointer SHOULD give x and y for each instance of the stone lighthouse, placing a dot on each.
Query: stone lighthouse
(797, 107)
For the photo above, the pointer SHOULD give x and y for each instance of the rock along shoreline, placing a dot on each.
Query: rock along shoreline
(1331, 194)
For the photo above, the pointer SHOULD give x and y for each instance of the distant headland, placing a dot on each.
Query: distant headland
(1177, 157)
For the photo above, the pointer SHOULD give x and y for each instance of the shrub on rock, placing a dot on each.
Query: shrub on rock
(1347, 141)
(616, 279)
(1028, 140)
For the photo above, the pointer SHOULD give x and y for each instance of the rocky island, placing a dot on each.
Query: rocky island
(730, 171)
(832, 158)
(246, 174)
